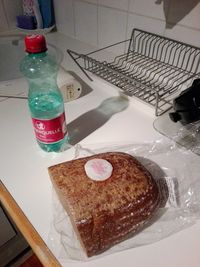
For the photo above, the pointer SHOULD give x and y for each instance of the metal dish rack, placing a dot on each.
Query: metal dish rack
(150, 67)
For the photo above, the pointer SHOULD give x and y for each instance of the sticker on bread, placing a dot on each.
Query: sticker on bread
(108, 211)
(98, 169)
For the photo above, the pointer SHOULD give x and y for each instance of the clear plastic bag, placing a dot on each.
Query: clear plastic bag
(171, 165)
(187, 135)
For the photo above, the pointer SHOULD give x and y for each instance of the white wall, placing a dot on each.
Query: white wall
(103, 22)
(9, 9)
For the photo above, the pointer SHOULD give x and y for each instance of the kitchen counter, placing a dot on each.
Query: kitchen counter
(24, 166)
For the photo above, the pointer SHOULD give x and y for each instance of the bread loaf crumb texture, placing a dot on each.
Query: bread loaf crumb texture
(106, 212)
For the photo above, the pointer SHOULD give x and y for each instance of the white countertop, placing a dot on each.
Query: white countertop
(24, 165)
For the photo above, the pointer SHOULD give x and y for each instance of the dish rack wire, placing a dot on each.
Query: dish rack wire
(150, 67)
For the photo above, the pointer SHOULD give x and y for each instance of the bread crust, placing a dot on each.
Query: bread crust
(104, 213)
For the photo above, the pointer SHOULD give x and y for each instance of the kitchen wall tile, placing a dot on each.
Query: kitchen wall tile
(103, 22)
(86, 22)
(111, 27)
(64, 14)
(3, 21)
(185, 13)
(12, 9)
(184, 34)
(91, 1)
(118, 4)
(148, 24)
(151, 8)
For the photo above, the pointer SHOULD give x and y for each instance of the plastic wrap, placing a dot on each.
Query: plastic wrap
(173, 167)
(187, 135)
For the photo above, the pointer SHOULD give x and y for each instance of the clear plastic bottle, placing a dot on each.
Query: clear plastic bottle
(44, 97)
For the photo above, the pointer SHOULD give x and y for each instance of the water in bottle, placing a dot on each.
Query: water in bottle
(44, 98)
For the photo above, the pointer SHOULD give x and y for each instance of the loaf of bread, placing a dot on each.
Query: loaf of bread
(108, 211)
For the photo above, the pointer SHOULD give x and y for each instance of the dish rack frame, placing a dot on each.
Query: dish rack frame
(151, 67)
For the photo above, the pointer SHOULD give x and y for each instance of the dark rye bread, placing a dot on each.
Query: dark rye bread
(104, 213)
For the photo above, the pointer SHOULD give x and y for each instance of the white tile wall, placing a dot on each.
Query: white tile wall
(102, 22)
(91, 1)
(3, 20)
(147, 8)
(187, 35)
(12, 9)
(191, 8)
(111, 27)
(117, 4)
(86, 22)
(145, 23)
(64, 12)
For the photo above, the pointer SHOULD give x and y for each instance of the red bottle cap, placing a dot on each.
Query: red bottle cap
(35, 43)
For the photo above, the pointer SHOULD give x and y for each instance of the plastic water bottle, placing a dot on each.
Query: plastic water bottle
(44, 98)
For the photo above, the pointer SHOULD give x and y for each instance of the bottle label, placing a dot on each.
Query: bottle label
(50, 131)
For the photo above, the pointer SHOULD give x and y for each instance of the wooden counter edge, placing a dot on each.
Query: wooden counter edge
(30, 234)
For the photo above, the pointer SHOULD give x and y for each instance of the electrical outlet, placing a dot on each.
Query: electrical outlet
(71, 90)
